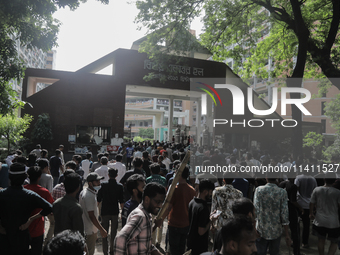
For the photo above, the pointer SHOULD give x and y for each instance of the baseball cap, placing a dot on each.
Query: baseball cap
(94, 177)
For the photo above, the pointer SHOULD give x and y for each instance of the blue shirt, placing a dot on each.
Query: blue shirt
(129, 152)
(129, 206)
(242, 185)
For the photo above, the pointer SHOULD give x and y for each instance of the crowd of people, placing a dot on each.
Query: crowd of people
(84, 199)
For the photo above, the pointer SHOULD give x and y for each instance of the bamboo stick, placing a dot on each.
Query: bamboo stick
(168, 197)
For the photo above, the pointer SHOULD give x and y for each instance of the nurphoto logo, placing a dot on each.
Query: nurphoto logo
(238, 104)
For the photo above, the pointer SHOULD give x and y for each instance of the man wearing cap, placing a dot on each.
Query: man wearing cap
(17, 204)
(88, 201)
(110, 194)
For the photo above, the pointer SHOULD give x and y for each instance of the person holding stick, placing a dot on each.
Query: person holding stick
(135, 237)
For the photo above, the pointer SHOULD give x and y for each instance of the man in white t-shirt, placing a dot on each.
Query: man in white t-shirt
(326, 224)
(46, 180)
(119, 166)
(36, 151)
(61, 148)
(88, 201)
(166, 161)
(138, 153)
(86, 164)
(103, 169)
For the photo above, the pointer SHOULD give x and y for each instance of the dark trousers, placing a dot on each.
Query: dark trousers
(294, 228)
(36, 245)
(167, 249)
(128, 162)
(306, 224)
(177, 240)
(15, 245)
(55, 180)
(262, 246)
(106, 219)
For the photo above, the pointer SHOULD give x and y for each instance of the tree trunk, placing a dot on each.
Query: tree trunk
(296, 139)
(297, 76)
(8, 145)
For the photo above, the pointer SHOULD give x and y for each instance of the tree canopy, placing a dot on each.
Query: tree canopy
(42, 130)
(332, 110)
(239, 29)
(295, 38)
(12, 127)
(32, 22)
(146, 132)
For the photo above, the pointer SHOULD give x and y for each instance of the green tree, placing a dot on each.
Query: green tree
(313, 141)
(146, 132)
(332, 110)
(138, 139)
(233, 28)
(332, 151)
(141, 132)
(149, 133)
(302, 34)
(32, 22)
(12, 128)
(42, 130)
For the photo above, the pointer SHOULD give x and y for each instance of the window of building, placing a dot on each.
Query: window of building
(86, 135)
(146, 124)
(165, 122)
(323, 126)
(323, 105)
(141, 123)
(178, 103)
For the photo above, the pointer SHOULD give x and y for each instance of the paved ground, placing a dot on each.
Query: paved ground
(312, 250)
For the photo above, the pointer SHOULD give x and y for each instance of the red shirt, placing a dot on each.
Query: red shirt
(37, 226)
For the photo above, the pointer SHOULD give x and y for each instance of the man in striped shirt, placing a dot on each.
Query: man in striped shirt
(135, 237)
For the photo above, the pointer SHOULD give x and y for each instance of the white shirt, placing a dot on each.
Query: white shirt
(121, 169)
(103, 171)
(36, 152)
(138, 154)
(62, 157)
(88, 201)
(85, 165)
(46, 181)
(166, 162)
(9, 159)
